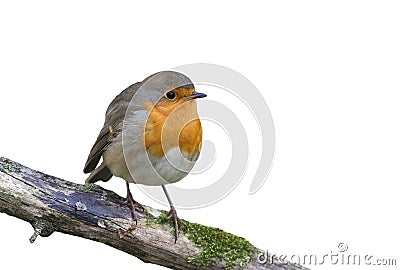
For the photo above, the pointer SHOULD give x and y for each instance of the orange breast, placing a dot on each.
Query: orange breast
(171, 127)
(190, 137)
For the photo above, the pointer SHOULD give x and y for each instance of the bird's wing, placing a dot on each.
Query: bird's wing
(97, 149)
(112, 126)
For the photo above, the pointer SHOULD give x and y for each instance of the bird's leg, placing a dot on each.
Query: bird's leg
(133, 206)
(172, 214)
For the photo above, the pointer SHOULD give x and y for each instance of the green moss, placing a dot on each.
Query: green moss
(215, 244)
(162, 219)
(149, 217)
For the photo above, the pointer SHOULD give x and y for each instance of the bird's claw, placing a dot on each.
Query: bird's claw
(122, 233)
(177, 221)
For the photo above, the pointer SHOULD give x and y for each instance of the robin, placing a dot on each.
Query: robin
(151, 136)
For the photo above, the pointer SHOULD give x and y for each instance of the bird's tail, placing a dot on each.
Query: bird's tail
(101, 173)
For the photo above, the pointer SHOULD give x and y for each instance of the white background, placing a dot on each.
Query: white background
(328, 71)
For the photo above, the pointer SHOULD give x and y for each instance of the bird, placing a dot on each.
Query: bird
(152, 135)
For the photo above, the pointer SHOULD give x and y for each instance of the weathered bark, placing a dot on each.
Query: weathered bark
(52, 204)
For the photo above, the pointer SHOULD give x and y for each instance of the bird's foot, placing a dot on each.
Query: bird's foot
(135, 207)
(177, 221)
(122, 233)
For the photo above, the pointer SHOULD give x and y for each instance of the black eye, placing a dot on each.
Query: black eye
(170, 95)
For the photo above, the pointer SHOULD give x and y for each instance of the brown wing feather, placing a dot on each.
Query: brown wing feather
(97, 149)
(114, 117)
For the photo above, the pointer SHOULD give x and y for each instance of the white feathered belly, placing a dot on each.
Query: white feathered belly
(147, 170)
(168, 169)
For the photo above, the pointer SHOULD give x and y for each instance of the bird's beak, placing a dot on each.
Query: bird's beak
(196, 95)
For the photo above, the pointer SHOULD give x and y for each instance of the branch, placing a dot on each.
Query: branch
(52, 204)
